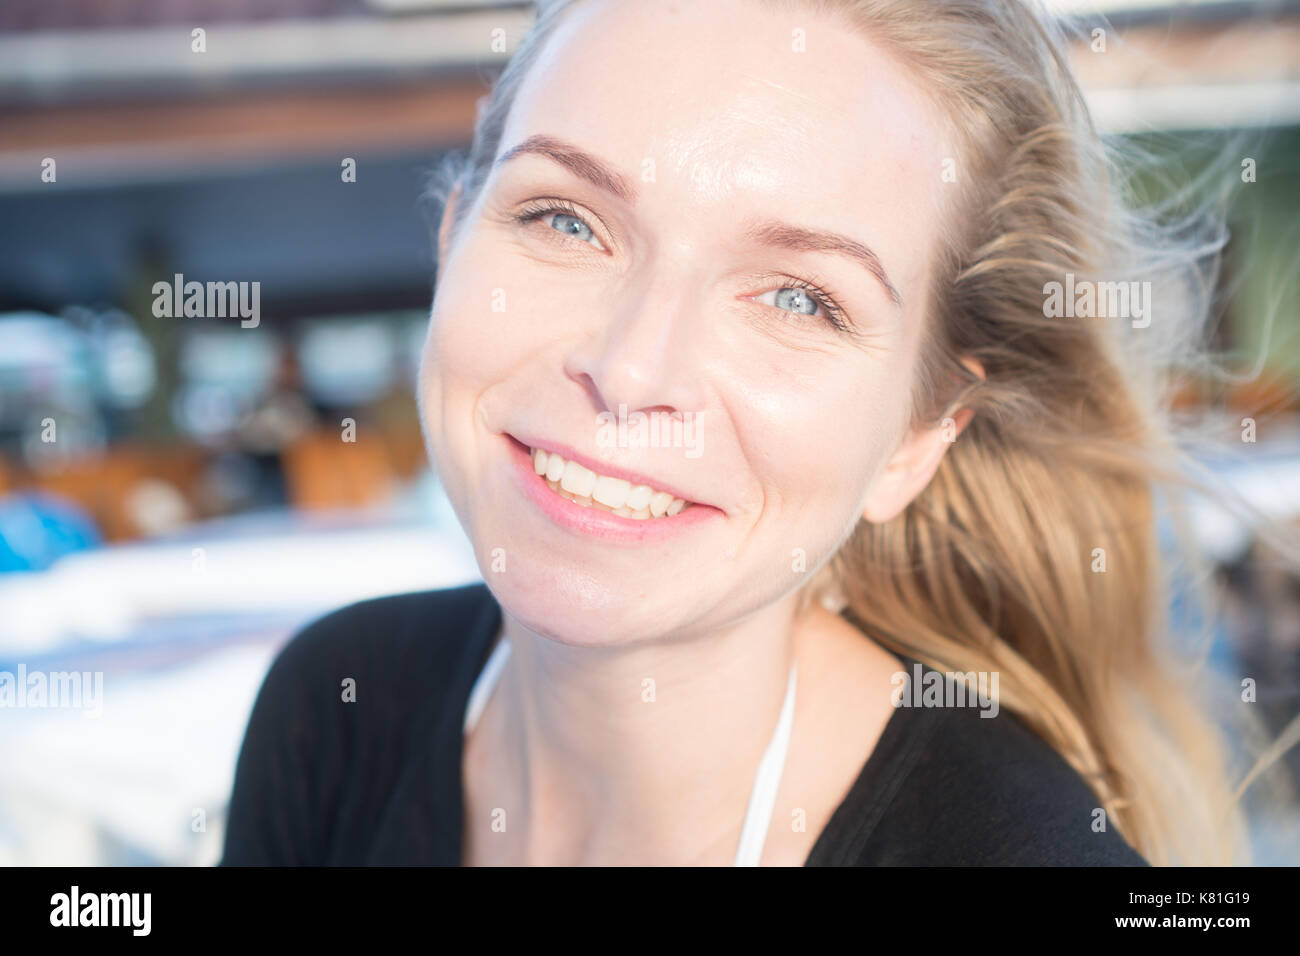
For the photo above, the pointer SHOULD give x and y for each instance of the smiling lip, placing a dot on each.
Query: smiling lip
(600, 467)
(596, 522)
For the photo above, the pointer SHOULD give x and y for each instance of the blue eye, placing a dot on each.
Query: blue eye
(793, 299)
(573, 226)
(795, 296)
(801, 297)
(566, 221)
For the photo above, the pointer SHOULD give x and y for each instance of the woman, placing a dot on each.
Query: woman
(812, 241)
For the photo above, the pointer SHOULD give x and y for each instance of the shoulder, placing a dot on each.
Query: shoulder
(380, 666)
(401, 639)
(347, 705)
(980, 787)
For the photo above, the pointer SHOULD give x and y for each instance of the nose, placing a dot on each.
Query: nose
(645, 354)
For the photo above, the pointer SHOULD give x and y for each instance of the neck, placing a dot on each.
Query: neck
(644, 753)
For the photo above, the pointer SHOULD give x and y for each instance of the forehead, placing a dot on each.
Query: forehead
(741, 109)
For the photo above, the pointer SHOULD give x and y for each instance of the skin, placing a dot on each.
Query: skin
(662, 305)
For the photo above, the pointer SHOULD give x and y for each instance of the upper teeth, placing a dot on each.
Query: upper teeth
(586, 487)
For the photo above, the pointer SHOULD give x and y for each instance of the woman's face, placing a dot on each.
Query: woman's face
(690, 178)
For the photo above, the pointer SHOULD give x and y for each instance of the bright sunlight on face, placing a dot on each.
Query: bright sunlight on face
(683, 221)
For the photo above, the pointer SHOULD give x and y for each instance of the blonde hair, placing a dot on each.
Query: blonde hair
(1034, 551)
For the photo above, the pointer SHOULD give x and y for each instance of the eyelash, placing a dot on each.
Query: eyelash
(835, 314)
(543, 207)
(824, 297)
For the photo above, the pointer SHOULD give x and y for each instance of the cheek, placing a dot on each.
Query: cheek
(488, 313)
(472, 338)
(830, 441)
(458, 362)
(460, 320)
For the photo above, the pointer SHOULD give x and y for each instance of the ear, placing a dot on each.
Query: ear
(444, 227)
(914, 463)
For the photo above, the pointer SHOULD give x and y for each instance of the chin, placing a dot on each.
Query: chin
(570, 607)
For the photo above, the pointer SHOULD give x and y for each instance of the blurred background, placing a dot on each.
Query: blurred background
(178, 495)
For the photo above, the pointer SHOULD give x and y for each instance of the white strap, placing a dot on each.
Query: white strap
(487, 679)
(767, 780)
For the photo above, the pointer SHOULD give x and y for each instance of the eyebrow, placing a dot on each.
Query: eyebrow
(577, 161)
(773, 233)
(782, 235)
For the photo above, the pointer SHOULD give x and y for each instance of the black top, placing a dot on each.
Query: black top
(326, 781)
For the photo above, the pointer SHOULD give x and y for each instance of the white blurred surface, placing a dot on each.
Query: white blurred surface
(183, 646)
